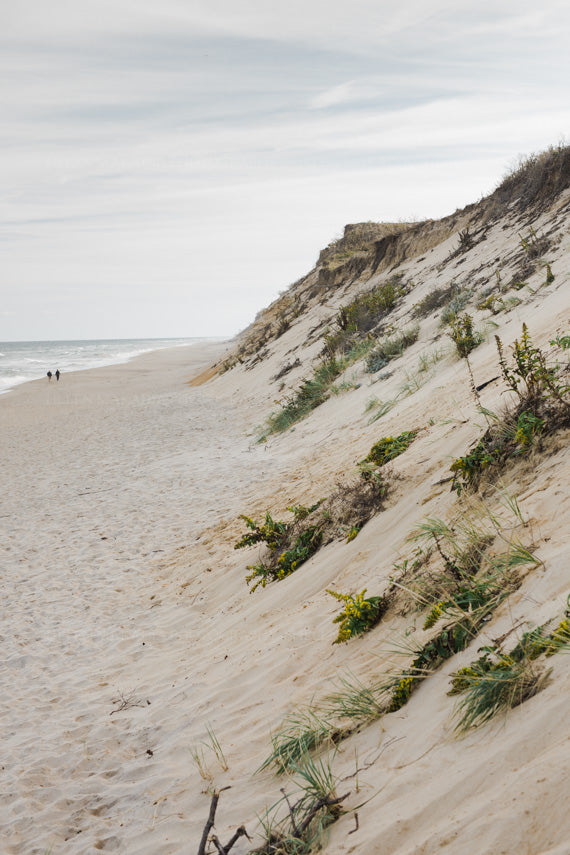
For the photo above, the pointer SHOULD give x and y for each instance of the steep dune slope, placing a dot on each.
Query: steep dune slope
(415, 785)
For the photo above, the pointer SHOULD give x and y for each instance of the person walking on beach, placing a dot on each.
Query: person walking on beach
(57, 373)
(49, 376)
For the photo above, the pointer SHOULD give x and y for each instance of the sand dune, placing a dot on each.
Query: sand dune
(128, 629)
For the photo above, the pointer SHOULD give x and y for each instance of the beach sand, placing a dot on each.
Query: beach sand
(128, 630)
(105, 473)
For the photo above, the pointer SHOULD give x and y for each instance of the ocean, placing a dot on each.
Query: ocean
(21, 361)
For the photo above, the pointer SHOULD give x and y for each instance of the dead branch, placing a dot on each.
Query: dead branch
(356, 826)
(296, 831)
(210, 821)
(223, 850)
(326, 802)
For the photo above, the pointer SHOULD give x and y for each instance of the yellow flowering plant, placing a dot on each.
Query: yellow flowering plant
(289, 544)
(359, 614)
(389, 447)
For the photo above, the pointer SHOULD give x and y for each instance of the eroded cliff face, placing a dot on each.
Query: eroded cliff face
(369, 251)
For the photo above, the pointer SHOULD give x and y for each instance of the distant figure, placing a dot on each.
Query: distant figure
(49, 376)
(57, 374)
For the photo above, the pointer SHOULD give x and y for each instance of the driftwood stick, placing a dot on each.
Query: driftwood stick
(223, 850)
(296, 831)
(210, 822)
(326, 802)
(241, 832)
(356, 826)
(218, 845)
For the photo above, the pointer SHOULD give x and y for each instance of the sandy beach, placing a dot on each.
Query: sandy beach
(105, 473)
(129, 635)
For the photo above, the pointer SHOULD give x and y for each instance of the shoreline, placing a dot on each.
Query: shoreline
(204, 351)
(117, 359)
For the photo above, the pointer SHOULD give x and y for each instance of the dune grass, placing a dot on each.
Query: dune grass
(297, 824)
(540, 406)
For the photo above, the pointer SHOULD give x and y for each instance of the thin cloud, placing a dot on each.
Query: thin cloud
(180, 149)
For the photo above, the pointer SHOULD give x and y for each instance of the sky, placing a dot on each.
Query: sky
(168, 167)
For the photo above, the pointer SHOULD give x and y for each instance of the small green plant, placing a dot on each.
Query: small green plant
(198, 757)
(493, 303)
(345, 386)
(391, 348)
(382, 407)
(533, 245)
(289, 544)
(270, 532)
(537, 641)
(364, 312)
(495, 683)
(300, 732)
(355, 702)
(303, 827)
(500, 442)
(561, 341)
(467, 470)
(197, 752)
(305, 545)
(354, 532)
(359, 614)
(214, 744)
(390, 447)
(529, 427)
(560, 638)
(549, 275)
(529, 375)
(434, 300)
(452, 309)
(542, 405)
(463, 334)
(311, 393)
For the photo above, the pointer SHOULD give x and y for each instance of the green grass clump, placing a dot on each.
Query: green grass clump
(298, 827)
(391, 348)
(359, 614)
(390, 447)
(489, 690)
(499, 681)
(542, 404)
(435, 300)
(312, 392)
(355, 702)
(364, 312)
(300, 732)
(325, 723)
(452, 309)
(290, 544)
(466, 611)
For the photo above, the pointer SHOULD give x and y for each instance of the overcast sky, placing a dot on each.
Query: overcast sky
(169, 166)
